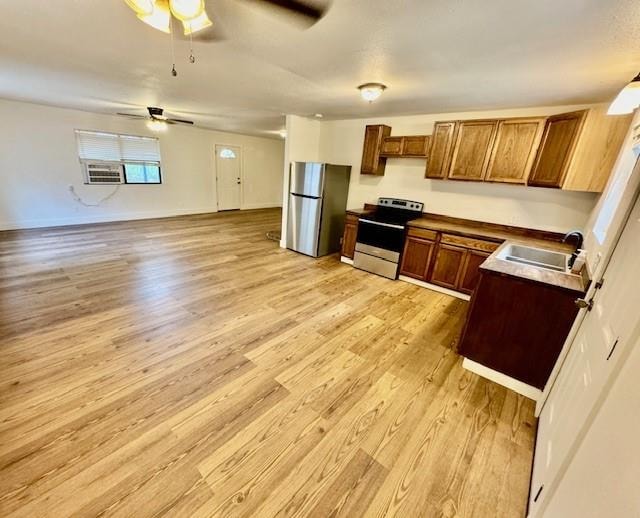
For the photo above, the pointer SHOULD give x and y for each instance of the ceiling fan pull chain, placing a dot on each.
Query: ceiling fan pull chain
(174, 72)
(192, 58)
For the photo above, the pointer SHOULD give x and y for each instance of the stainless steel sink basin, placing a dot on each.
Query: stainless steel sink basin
(556, 261)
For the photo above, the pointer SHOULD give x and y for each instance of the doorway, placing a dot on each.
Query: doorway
(229, 177)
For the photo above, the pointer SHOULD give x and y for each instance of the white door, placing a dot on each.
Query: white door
(604, 335)
(229, 177)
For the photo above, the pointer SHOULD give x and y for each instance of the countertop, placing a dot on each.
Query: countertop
(505, 235)
(566, 281)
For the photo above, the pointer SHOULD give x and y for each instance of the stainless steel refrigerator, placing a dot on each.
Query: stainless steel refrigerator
(317, 205)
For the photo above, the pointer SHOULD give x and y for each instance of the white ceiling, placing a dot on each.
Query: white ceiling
(434, 55)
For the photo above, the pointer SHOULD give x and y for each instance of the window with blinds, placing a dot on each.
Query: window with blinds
(137, 157)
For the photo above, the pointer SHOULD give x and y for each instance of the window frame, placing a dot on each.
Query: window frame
(123, 162)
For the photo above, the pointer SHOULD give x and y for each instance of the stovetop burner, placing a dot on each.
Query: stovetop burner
(395, 211)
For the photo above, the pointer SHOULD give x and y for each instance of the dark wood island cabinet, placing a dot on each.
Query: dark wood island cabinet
(518, 326)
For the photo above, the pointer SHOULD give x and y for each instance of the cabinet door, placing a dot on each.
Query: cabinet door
(514, 150)
(415, 145)
(597, 150)
(472, 149)
(448, 266)
(416, 257)
(559, 140)
(349, 239)
(392, 146)
(372, 163)
(470, 270)
(439, 156)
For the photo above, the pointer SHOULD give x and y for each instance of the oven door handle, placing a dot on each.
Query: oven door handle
(390, 225)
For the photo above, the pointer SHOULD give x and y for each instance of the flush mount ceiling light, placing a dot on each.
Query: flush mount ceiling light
(628, 99)
(371, 91)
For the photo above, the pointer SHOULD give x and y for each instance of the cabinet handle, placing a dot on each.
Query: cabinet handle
(535, 498)
(613, 348)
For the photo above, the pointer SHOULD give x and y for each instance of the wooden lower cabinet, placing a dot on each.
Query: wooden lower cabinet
(447, 266)
(524, 343)
(447, 260)
(416, 257)
(470, 273)
(349, 236)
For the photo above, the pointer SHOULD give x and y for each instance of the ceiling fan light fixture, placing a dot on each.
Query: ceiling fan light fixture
(628, 99)
(160, 18)
(196, 24)
(157, 125)
(371, 91)
(185, 10)
(141, 7)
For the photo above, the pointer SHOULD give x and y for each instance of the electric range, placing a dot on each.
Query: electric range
(380, 236)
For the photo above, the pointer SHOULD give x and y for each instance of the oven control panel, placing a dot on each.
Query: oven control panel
(401, 204)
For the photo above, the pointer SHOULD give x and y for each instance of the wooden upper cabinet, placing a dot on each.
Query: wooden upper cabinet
(415, 145)
(561, 133)
(472, 149)
(372, 162)
(514, 150)
(411, 146)
(392, 146)
(597, 150)
(440, 151)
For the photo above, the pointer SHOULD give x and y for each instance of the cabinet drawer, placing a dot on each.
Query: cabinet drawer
(469, 242)
(351, 218)
(422, 233)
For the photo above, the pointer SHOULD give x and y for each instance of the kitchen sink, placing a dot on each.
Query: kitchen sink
(546, 259)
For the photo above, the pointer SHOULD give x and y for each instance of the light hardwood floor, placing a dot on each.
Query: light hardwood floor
(190, 367)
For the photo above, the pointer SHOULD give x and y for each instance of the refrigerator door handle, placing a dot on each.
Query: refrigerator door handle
(305, 196)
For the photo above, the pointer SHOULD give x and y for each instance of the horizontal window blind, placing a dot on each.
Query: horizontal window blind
(111, 147)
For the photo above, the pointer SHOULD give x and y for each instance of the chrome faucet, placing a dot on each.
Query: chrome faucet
(577, 238)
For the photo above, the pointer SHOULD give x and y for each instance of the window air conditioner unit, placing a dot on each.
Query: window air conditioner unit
(103, 173)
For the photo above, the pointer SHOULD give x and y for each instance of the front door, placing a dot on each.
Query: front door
(604, 336)
(229, 178)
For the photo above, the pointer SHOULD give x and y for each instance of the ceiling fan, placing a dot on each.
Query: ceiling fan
(194, 18)
(157, 121)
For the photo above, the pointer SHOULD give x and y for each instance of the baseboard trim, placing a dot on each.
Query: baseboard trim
(433, 287)
(502, 379)
(253, 206)
(346, 260)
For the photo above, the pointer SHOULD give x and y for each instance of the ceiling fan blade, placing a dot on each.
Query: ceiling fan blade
(298, 7)
(133, 115)
(178, 121)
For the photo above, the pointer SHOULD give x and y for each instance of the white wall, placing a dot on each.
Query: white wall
(302, 145)
(532, 207)
(39, 160)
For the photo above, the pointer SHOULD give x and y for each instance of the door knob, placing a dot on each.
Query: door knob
(584, 304)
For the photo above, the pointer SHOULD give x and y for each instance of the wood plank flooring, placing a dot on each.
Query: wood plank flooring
(190, 367)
